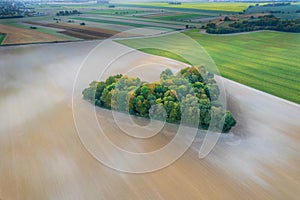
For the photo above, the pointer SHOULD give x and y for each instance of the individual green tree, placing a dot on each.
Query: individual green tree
(159, 91)
(107, 95)
(173, 110)
(205, 114)
(217, 119)
(198, 85)
(89, 93)
(119, 100)
(131, 98)
(158, 112)
(113, 79)
(229, 122)
(151, 99)
(192, 74)
(212, 91)
(190, 110)
(166, 74)
(100, 87)
(141, 106)
(145, 91)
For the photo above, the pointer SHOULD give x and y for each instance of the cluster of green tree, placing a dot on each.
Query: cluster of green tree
(67, 13)
(175, 98)
(267, 22)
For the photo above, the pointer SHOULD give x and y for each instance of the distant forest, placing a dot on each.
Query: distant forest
(267, 22)
(192, 92)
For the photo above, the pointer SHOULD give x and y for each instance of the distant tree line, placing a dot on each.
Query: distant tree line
(271, 4)
(267, 22)
(67, 12)
(192, 92)
(276, 4)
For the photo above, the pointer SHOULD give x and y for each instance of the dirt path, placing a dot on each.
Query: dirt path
(41, 156)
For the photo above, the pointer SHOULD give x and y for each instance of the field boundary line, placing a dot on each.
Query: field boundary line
(261, 92)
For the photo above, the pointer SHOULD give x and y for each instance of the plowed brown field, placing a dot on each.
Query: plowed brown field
(22, 36)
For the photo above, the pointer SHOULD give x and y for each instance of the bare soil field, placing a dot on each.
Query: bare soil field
(114, 27)
(42, 157)
(22, 36)
(78, 31)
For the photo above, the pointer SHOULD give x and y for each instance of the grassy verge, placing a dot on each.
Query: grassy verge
(181, 17)
(2, 36)
(267, 61)
(164, 53)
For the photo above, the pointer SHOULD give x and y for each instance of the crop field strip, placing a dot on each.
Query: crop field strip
(145, 19)
(109, 22)
(79, 31)
(178, 17)
(267, 60)
(16, 35)
(266, 67)
(111, 12)
(228, 7)
(128, 23)
(43, 30)
(135, 18)
(140, 21)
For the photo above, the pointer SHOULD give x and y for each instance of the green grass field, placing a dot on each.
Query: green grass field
(109, 22)
(219, 6)
(164, 53)
(268, 61)
(180, 17)
(111, 11)
(116, 22)
(2, 36)
(145, 19)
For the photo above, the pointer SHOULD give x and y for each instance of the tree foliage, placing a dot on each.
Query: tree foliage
(176, 98)
(267, 22)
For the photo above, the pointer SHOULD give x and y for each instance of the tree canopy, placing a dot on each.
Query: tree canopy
(175, 98)
(267, 22)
